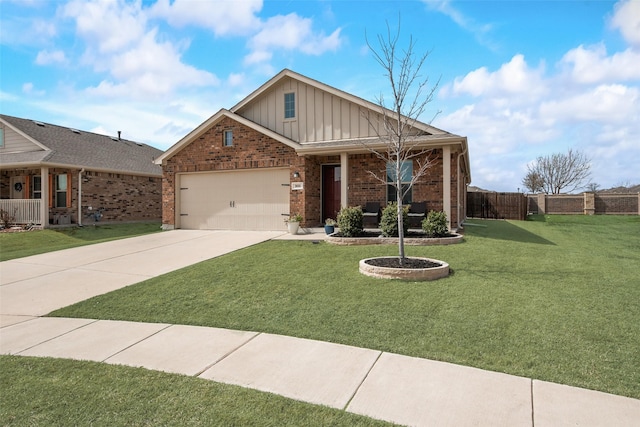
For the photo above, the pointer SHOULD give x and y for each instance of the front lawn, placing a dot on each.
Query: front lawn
(556, 299)
(56, 392)
(18, 245)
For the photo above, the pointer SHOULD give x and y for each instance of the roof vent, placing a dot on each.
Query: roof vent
(74, 131)
(39, 123)
(114, 138)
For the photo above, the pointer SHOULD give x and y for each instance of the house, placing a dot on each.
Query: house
(53, 175)
(296, 145)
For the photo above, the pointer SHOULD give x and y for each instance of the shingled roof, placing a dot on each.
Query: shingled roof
(66, 147)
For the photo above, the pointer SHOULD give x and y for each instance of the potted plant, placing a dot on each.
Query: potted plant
(293, 223)
(329, 225)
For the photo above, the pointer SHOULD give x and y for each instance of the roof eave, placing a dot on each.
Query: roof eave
(197, 132)
(38, 165)
(312, 149)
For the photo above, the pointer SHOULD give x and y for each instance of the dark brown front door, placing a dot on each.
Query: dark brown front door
(330, 191)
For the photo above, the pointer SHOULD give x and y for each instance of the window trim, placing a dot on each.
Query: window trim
(227, 141)
(408, 198)
(33, 187)
(2, 136)
(295, 107)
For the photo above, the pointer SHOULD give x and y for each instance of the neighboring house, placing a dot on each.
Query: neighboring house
(296, 145)
(53, 175)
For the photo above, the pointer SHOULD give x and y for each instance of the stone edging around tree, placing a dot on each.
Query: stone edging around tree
(409, 241)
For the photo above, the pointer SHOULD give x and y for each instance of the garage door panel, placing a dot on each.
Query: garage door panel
(240, 200)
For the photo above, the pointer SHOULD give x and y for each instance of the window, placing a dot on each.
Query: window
(228, 138)
(406, 171)
(289, 105)
(1, 137)
(61, 191)
(36, 187)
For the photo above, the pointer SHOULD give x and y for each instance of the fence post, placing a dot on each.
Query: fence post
(589, 203)
(542, 207)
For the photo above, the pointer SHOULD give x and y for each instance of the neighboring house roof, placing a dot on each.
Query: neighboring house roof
(59, 146)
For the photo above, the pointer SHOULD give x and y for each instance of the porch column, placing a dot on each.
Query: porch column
(344, 180)
(44, 196)
(446, 183)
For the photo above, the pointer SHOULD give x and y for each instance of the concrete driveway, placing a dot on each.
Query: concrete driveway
(39, 284)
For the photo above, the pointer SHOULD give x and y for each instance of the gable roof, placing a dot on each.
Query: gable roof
(330, 89)
(191, 136)
(65, 147)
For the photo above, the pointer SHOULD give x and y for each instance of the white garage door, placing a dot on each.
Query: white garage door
(237, 200)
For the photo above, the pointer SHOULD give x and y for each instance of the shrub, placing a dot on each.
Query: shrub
(6, 219)
(389, 220)
(350, 221)
(435, 224)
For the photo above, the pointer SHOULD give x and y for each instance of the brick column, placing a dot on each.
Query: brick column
(589, 203)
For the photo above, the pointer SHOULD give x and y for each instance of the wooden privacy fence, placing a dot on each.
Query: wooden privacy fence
(482, 204)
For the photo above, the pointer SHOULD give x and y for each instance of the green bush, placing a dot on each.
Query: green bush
(435, 224)
(350, 221)
(389, 220)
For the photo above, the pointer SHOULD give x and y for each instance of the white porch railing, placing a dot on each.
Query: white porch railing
(25, 211)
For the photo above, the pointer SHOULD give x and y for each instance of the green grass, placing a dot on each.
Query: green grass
(55, 392)
(18, 245)
(556, 299)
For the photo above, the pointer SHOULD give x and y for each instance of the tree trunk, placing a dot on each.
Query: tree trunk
(400, 216)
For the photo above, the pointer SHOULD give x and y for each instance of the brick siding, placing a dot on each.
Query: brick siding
(252, 149)
(625, 204)
(125, 198)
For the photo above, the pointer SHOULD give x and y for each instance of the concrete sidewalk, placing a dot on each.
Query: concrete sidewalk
(391, 387)
(381, 385)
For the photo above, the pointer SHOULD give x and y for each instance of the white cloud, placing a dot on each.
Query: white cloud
(290, 32)
(514, 77)
(516, 113)
(29, 89)
(626, 18)
(480, 31)
(109, 26)
(222, 17)
(46, 57)
(612, 104)
(236, 79)
(30, 31)
(592, 65)
(138, 63)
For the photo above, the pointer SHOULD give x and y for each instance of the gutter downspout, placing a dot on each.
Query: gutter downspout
(458, 195)
(80, 197)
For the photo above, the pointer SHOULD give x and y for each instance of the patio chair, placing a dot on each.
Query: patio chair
(371, 215)
(417, 212)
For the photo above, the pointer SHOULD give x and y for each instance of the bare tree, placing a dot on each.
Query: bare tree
(592, 187)
(395, 125)
(533, 182)
(561, 171)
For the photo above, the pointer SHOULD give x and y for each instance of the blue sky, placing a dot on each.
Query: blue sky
(520, 79)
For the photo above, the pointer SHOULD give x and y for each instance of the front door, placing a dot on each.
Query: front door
(330, 191)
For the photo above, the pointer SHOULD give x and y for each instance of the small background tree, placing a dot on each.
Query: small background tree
(395, 126)
(557, 172)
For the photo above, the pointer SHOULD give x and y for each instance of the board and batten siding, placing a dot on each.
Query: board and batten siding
(320, 115)
(16, 143)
